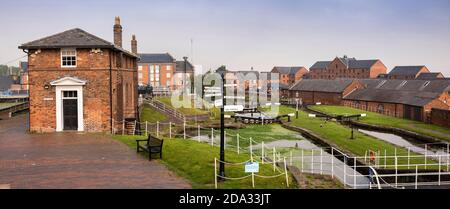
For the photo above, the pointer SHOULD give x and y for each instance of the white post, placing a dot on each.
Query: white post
(273, 160)
(448, 155)
(416, 176)
(198, 133)
(262, 152)
(302, 160)
(321, 161)
(170, 129)
(251, 150)
(212, 137)
(365, 156)
(146, 128)
(184, 129)
(409, 156)
(439, 180)
(385, 157)
(396, 171)
(332, 162)
(123, 127)
(157, 128)
(354, 172)
(286, 173)
(253, 180)
(426, 150)
(215, 172)
(135, 124)
(312, 161)
(237, 142)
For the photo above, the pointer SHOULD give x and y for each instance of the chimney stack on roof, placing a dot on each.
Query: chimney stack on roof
(117, 32)
(134, 44)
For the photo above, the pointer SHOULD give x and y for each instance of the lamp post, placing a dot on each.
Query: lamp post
(222, 129)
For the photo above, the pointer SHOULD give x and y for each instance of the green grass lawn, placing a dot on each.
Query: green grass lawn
(383, 120)
(151, 115)
(339, 136)
(260, 133)
(195, 162)
(183, 110)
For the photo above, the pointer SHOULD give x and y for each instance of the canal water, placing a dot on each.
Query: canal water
(408, 144)
(306, 156)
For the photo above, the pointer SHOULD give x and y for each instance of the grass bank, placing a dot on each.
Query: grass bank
(338, 136)
(195, 162)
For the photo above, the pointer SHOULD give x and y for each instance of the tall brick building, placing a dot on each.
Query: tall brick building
(162, 71)
(344, 67)
(81, 82)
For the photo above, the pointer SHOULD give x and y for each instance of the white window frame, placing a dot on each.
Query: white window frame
(61, 57)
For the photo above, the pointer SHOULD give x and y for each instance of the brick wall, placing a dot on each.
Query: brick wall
(45, 67)
(440, 117)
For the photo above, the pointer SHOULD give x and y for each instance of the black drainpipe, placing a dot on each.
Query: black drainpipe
(110, 92)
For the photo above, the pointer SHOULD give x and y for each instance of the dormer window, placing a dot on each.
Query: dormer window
(68, 57)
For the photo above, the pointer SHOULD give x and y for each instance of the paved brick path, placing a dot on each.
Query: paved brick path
(72, 160)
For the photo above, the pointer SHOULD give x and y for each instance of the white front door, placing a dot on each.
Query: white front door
(69, 104)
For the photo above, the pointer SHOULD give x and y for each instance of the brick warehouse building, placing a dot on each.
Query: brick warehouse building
(344, 67)
(410, 99)
(81, 82)
(326, 92)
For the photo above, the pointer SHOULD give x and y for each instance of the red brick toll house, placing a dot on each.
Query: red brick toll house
(81, 82)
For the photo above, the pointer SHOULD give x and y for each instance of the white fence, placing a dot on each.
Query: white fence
(381, 170)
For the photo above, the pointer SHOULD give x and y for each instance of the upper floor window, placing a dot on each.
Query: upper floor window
(68, 57)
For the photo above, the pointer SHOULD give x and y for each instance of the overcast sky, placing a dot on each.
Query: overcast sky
(245, 33)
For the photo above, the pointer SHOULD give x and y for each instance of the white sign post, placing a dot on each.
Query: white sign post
(233, 108)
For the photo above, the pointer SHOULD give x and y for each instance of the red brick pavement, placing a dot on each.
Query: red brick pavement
(74, 160)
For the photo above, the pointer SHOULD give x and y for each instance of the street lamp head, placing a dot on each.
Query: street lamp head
(185, 58)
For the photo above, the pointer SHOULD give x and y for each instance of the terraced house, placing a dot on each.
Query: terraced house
(80, 82)
(345, 67)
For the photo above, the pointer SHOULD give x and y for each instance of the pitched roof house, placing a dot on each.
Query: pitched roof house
(407, 72)
(81, 82)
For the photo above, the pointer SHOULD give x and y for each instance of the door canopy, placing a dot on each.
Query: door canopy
(68, 81)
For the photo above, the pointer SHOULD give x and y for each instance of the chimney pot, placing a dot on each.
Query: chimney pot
(117, 32)
(134, 44)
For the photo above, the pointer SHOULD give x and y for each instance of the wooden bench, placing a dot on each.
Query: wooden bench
(153, 146)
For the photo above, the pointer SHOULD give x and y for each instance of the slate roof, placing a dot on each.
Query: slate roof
(76, 38)
(320, 65)
(5, 83)
(430, 76)
(406, 70)
(436, 86)
(156, 58)
(393, 96)
(333, 86)
(287, 70)
(351, 63)
(180, 66)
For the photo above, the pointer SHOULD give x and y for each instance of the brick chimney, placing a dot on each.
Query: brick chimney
(134, 44)
(117, 32)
